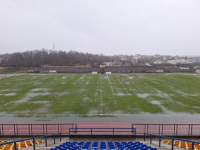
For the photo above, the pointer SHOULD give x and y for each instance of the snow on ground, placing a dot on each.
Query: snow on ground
(81, 78)
(33, 93)
(110, 83)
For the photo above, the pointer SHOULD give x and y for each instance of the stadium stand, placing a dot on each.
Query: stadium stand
(103, 146)
(20, 145)
(183, 144)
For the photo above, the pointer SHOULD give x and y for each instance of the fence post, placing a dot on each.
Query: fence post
(172, 144)
(17, 129)
(46, 129)
(54, 138)
(33, 143)
(15, 145)
(60, 137)
(150, 138)
(159, 129)
(159, 141)
(2, 129)
(174, 129)
(189, 130)
(144, 136)
(45, 141)
(29, 129)
(192, 145)
(58, 128)
(43, 130)
(14, 130)
(75, 128)
(132, 128)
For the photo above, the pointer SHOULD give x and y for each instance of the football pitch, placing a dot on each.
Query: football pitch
(86, 95)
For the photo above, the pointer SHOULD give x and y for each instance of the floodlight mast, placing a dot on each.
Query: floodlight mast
(54, 47)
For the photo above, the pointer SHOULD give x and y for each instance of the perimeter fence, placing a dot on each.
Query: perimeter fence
(35, 129)
(168, 129)
(63, 128)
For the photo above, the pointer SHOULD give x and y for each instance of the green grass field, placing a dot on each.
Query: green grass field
(91, 95)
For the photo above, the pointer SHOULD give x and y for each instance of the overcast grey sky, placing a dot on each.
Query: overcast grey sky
(168, 27)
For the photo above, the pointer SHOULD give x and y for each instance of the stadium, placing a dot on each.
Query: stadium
(91, 111)
(99, 75)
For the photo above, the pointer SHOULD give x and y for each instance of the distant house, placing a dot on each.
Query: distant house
(166, 57)
(157, 55)
(147, 64)
(196, 67)
(184, 68)
(158, 62)
(135, 59)
(124, 58)
(108, 63)
(179, 61)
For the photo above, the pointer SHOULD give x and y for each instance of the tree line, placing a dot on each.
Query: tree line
(37, 58)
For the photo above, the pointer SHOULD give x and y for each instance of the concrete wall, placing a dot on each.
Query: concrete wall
(136, 69)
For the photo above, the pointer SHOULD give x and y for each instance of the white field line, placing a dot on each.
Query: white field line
(185, 94)
(176, 91)
(101, 94)
(85, 85)
(96, 94)
(158, 91)
(110, 83)
(79, 79)
(122, 85)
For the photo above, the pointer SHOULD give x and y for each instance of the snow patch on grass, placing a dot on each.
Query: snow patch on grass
(122, 94)
(8, 94)
(185, 94)
(96, 94)
(32, 93)
(41, 102)
(83, 89)
(81, 78)
(93, 112)
(155, 102)
(85, 99)
(64, 77)
(110, 83)
(11, 90)
(59, 94)
(143, 95)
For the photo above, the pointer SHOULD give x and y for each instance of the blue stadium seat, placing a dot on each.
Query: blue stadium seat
(103, 146)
